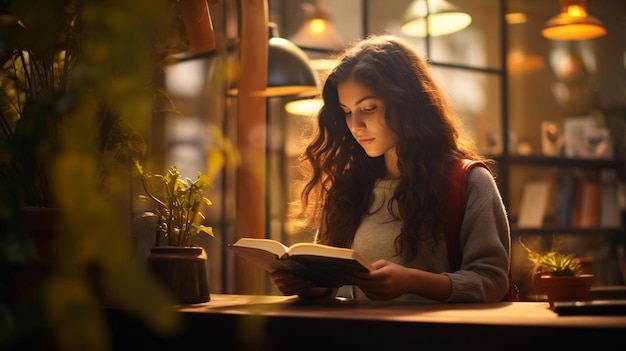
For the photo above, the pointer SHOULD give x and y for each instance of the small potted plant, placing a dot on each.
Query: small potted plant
(181, 266)
(561, 275)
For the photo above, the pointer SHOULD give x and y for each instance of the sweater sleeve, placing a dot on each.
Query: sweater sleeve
(484, 243)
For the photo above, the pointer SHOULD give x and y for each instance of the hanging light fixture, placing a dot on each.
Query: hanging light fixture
(317, 36)
(443, 18)
(573, 23)
(318, 31)
(304, 107)
(288, 69)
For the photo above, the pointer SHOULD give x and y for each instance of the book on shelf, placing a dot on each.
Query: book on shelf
(610, 211)
(587, 202)
(533, 207)
(577, 195)
(324, 265)
(564, 198)
(590, 204)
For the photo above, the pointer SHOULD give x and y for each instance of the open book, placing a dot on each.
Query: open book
(324, 265)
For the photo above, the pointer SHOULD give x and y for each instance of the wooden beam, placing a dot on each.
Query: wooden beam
(198, 25)
(251, 138)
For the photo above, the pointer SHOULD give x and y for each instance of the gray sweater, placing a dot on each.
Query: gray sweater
(484, 242)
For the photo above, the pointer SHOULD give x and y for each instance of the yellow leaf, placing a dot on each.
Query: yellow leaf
(208, 230)
(207, 201)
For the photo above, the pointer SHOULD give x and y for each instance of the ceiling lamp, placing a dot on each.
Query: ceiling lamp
(573, 23)
(288, 69)
(304, 107)
(318, 31)
(443, 18)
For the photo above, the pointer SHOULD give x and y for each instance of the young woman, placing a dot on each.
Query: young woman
(376, 173)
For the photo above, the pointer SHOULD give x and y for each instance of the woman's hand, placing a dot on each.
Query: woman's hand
(390, 280)
(289, 283)
(386, 282)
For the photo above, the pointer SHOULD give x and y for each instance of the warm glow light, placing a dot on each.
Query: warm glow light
(443, 18)
(318, 31)
(516, 18)
(574, 32)
(573, 23)
(317, 26)
(576, 11)
(304, 107)
(520, 62)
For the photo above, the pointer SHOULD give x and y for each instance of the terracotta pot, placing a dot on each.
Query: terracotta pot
(574, 288)
(182, 270)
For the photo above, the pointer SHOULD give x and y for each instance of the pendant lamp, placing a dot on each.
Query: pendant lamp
(573, 23)
(443, 18)
(288, 69)
(318, 31)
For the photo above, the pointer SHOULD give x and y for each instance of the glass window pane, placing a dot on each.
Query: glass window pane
(551, 80)
(475, 96)
(477, 45)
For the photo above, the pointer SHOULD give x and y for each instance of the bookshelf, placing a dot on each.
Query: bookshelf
(598, 244)
(527, 101)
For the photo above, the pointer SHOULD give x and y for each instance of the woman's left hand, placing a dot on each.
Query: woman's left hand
(386, 282)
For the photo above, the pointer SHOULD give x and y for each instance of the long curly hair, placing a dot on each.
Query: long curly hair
(340, 176)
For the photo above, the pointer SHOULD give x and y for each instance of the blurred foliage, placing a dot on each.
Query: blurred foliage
(76, 92)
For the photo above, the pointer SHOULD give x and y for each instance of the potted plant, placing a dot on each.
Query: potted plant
(179, 265)
(560, 275)
(179, 202)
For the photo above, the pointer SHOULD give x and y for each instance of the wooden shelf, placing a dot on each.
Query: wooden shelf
(564, 230)
(550, 161)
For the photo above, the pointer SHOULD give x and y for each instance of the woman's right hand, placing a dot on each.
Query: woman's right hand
(290, 284)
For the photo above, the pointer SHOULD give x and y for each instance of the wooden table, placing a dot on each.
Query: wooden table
(240, 322)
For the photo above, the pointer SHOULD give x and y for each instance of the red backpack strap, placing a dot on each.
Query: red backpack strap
(455, 194)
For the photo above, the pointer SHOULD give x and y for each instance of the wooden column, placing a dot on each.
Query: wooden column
(251, 137)
(198, 25)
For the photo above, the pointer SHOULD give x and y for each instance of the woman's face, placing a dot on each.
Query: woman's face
(365, 117)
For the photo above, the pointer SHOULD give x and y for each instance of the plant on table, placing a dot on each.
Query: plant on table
(179, 200)
(177, 204)
(560, 275)
(553, 263)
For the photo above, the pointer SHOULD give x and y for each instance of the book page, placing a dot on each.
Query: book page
(260, 257)
(321, 264)
(307, 248)
(269, 245)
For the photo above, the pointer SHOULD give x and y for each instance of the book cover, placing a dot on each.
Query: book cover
(533, 206)
(610, 213)
(593, 307)
(577, 208)
(590, 204)
(324, 265)
(563, 198)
